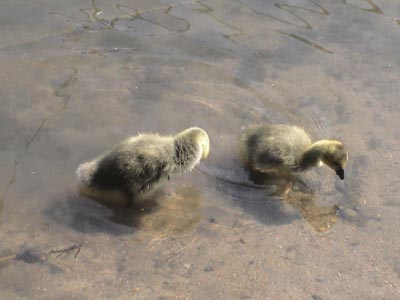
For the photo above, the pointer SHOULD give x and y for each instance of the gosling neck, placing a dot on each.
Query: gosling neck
(187, 154)
(312, 156)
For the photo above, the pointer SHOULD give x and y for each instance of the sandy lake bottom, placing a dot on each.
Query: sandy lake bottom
(79, 76)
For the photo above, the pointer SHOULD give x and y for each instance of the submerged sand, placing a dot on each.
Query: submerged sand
(77, 77)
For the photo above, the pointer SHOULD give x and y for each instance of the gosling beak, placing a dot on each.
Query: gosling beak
(340, 173)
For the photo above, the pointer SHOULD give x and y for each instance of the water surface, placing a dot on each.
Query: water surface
(79, 76)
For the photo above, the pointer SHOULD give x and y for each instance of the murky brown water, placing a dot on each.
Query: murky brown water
(78, 76)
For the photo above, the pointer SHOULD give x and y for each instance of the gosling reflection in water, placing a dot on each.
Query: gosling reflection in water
(158, 212)
(291, 189)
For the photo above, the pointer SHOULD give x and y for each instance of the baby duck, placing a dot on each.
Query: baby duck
(137, 163)
(286, 148)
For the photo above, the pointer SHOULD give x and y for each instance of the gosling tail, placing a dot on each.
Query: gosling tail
(85, 173)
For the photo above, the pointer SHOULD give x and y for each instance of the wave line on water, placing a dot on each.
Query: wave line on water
(305, 41)
(306, 24)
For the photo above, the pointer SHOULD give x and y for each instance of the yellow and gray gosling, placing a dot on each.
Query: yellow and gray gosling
(289, 148)
(139, 162)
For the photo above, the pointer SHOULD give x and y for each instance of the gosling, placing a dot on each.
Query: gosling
(137, 163)
(286, 149)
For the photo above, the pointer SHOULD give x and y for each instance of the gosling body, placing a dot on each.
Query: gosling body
(286, 148)
(137, 163)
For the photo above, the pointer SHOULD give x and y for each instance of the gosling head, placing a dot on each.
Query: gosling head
(199, 136)
(204, 141)
(334, 156)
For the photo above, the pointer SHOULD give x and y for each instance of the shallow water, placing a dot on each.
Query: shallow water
(79, 76)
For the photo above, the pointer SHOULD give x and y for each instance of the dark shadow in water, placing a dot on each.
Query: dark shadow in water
(158, 212)
(127, 212)
(296, 192)
(255, 200)
(164, 214)
(83, 215)
(265, 207)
